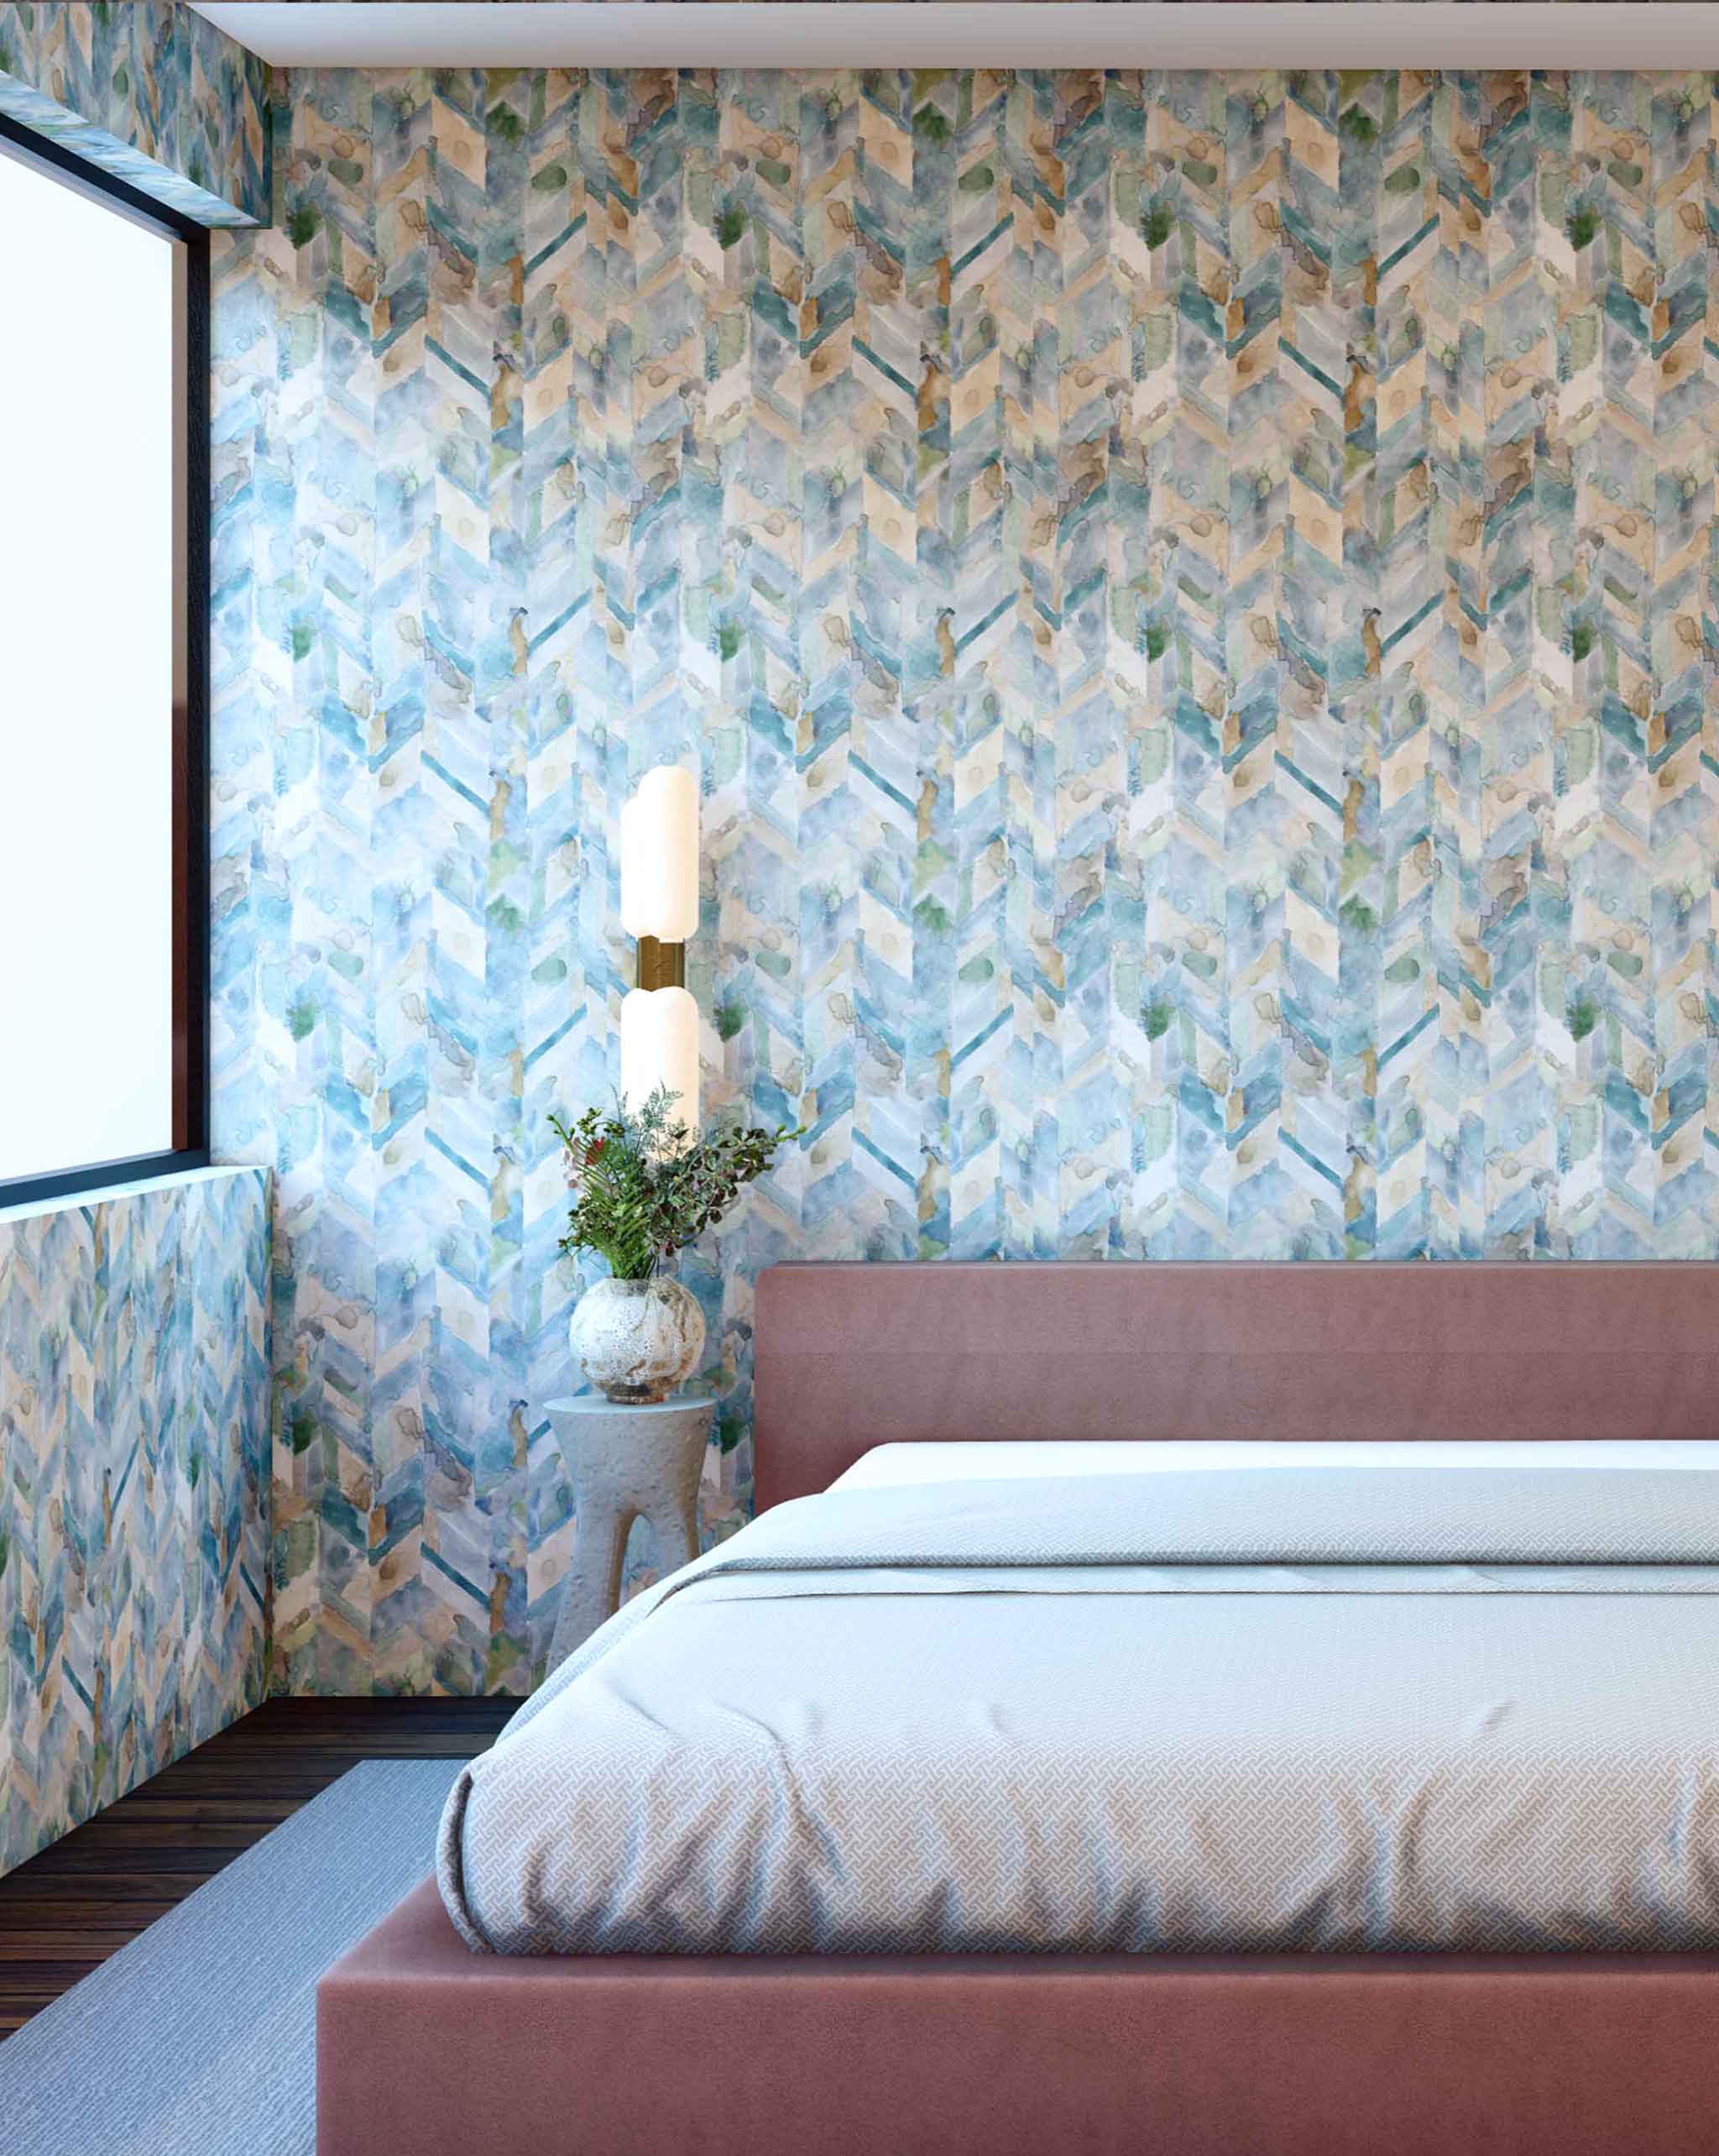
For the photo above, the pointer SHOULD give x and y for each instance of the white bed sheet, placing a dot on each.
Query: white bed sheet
(983, 1460)
(1390, 1710)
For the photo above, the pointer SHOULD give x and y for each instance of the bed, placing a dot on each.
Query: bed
(1381, 1604)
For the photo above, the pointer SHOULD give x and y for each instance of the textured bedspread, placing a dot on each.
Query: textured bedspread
(1380, 1710)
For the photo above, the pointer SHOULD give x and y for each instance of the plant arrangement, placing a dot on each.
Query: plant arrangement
(644, 1185)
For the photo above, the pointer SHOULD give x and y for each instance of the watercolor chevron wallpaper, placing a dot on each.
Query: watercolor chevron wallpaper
(1193, 600)
(148, 90)
(133, 1500)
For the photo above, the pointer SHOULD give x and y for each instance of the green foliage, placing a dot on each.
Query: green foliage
(643, 1186)
(730, 226)
(1582, 1016)
(1581, 641)
(1583, 226)
(1156, 225)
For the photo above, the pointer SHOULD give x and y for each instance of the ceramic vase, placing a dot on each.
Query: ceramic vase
(637, 1339)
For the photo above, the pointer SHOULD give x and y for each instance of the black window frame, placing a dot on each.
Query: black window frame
(190, 1146)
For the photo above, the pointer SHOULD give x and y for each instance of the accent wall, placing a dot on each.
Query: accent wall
(1192, 600)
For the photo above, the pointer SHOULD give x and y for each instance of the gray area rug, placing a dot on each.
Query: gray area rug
(199, 2037)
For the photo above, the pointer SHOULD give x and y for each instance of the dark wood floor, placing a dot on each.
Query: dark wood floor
(77, 1902)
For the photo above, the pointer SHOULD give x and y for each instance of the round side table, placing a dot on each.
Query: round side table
(626, 1463)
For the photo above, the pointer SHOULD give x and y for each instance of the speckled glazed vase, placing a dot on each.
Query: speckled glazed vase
(637, 1339)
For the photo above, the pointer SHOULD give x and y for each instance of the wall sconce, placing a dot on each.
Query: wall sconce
(660, 908)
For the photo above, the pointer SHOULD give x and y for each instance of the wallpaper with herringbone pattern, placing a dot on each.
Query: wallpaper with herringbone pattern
(133, 1489)
(1192, 600)
(150, 92)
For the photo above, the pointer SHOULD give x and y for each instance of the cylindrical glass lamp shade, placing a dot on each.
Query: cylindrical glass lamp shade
(660, 856)
(660, 1047)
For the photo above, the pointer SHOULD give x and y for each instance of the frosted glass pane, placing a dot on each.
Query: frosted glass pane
(87, 678)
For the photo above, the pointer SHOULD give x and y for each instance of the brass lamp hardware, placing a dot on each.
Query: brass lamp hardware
(661, 965)
(658, 850)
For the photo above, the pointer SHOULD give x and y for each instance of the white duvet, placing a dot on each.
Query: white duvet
(1361, 1707)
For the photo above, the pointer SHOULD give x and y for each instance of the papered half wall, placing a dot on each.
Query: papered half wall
(1191, 597)
(133, 1489)
(150, 91)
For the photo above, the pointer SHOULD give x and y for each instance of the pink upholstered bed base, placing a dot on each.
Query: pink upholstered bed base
(423, 2050)
(426, 2050)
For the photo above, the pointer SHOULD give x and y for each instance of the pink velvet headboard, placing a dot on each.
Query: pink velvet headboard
(848, 1357)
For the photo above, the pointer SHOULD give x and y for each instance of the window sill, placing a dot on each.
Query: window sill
(104, 1194)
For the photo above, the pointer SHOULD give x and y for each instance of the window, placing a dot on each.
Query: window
(103, 624)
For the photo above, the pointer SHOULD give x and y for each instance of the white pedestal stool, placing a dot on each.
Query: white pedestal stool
(626, 1463)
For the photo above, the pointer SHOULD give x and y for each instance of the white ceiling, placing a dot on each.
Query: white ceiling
(1619, 33)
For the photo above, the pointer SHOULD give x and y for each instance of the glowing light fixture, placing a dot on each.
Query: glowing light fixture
(660, 908)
